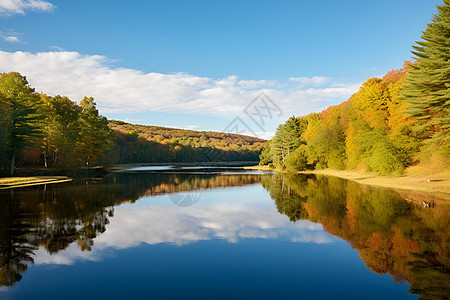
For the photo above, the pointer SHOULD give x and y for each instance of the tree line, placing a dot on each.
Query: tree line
(400, 120)
(59, 135)
(53, 132)
(151, 144)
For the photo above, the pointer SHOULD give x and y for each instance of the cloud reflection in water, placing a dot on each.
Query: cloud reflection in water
(233, 214)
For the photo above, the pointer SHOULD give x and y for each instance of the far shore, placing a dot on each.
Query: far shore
(433, 183)
(186, 164)
(438, 183)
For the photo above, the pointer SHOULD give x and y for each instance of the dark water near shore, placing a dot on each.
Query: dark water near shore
(221, 236)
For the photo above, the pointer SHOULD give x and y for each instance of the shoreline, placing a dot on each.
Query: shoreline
(244, 164)
(18, 182)
(437, 184)
(433, 184)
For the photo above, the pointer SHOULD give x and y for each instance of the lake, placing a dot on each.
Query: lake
(239, 235)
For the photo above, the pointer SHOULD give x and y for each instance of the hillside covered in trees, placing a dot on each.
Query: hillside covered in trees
(58, 134)
(392, 123)
(148, 144)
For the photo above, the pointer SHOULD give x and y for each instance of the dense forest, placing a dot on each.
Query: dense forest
(58, 134)
(400, 120)
(48, 131)
(148, 144)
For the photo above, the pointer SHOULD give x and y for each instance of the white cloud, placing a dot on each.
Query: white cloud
(154, 220)
(13, 7)
(77, 75)
(253, 84)
(57, 48)
(133, 121)
(11, 39)
(124, 90)
(187, 127)
(11, 36)
(307, 81)
(266, 135)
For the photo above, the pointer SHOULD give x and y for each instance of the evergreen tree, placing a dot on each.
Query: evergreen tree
(266, 156)
(428, 84)
(4, 119)
(286, 140)
(23, 122)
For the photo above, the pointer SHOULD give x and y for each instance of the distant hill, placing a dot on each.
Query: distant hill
(158, 134)
(144, 144)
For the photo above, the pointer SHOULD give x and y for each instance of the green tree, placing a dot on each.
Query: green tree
(298, 160)
(287, 138)
(428, 84)
(62, 131)
(326, 140)
(95, 135)
(265, 157)
(4, 119)
(20, 115)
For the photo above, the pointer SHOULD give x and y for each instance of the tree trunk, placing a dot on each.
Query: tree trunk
(13, 158)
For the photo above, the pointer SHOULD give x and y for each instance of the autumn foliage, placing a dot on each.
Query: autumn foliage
(370, 131)
(390, 124)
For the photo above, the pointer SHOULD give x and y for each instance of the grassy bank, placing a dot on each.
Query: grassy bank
(15, 182)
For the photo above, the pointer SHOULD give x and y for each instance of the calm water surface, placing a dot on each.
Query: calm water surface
(225, 236)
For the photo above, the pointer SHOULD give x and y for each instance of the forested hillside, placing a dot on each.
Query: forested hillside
(187, 137)
(392, 123)
(58, 134)
(140, 143)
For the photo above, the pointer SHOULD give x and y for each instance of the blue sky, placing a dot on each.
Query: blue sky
(198, 64)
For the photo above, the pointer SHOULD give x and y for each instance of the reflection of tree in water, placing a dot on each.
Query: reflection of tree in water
(27, 223)
(288, 200)
(384, 228)
(429, 276)
(15, 250)
(56, 216)
(14, 260)
(194, 183)
(393, 236)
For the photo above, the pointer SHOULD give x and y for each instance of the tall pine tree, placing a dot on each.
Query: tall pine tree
(286, 140)
(428, 84)
(20, 115)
